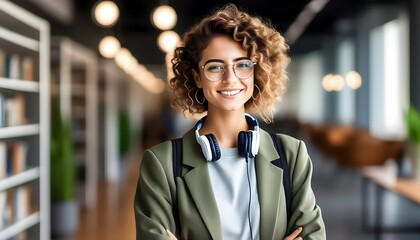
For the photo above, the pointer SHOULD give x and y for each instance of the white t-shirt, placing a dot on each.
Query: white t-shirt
(230, 184)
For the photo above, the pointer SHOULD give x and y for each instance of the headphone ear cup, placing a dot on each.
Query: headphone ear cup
(205, 147)
(245, 144)
(214, 147)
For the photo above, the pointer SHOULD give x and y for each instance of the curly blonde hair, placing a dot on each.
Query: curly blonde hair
(263, 43)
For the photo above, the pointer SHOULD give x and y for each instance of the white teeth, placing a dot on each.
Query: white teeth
(230, 93)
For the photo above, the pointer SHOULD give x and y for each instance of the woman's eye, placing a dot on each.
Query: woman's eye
(247, 64)
(215, 68)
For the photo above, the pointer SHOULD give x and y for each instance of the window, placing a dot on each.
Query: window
(389, 79)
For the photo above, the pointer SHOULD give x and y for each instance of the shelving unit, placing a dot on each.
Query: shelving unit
(24, 175)
(118, 89)
(121, 93)
(76, 77)
(112, 75)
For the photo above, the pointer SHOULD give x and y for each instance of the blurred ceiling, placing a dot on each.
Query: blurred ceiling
(135, 31)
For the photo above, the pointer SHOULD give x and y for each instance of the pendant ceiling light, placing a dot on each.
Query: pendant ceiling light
(164, 17)
(168, 40)
(109, 47)
(106, 13)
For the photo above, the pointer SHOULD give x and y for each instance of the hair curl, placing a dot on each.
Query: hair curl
(263, 43)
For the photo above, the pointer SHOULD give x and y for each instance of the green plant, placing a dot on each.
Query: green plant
(62, 168)
(412, 119)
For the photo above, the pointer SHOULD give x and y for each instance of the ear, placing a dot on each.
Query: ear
(197, 78)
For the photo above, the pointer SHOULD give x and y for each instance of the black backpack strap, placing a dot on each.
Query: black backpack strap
(177, 168)
(282, 163)
(177, 156)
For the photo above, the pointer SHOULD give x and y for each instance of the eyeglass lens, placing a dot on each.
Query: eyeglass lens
(243, 69)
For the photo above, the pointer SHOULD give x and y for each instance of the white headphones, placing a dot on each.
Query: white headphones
(248, 141)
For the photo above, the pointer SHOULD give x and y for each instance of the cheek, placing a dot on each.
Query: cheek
(207, 88)
(250, 85)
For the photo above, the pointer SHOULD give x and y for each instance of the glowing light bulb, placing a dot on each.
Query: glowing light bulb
(109, 47)
(106, 13)
(353, 80)
(168, 40)
(164, 17)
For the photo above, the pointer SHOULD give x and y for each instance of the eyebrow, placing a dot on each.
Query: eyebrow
(221, 61)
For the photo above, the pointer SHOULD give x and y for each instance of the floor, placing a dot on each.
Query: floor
(113, 217)
(338, 192)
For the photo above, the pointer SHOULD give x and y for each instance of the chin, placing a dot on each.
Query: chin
(234, 108)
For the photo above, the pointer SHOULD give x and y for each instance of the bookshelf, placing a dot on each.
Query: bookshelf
(24, 124)
(75, 79)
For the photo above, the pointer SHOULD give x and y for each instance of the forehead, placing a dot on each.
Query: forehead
(223, 48)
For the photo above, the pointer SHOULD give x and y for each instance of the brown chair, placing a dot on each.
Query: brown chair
(363, 149)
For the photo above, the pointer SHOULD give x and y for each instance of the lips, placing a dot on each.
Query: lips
(230, 93)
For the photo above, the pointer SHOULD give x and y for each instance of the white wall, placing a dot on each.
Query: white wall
(306, 78)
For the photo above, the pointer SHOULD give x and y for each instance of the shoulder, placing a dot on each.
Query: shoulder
(293, 148)
(288, 142)
(158, 156)
(163, 148)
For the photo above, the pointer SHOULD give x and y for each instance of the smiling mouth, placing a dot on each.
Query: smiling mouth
(230, 93)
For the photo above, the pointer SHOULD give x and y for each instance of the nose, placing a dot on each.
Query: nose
(229, 74)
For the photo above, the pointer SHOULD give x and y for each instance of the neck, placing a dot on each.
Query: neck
(225, 127)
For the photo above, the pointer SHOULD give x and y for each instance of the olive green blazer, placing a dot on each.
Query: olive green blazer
(198, 212)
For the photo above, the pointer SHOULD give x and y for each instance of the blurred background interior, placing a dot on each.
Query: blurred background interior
(83, 91)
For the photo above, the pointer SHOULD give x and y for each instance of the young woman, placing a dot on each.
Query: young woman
(229, 64)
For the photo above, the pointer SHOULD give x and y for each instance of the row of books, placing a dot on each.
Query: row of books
(12, 157)
(17, 66)
(15, 203)
(12, 110)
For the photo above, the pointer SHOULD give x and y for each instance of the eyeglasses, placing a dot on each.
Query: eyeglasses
(242, 69)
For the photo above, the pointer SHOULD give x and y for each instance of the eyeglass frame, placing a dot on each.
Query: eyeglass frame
(225, 65)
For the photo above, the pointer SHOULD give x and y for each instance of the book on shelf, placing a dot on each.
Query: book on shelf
(17, 66)
(3, 219)
(15, 203)
(22, 207)
(3, 153)
(15, 108)
(16, 206)
(7, 216)
(28, 68)
(3, 174)
(13, 155)
(20, 103)
(3, 121)
(19, 154)
(22, 204)
(14, 66)
(2, 63)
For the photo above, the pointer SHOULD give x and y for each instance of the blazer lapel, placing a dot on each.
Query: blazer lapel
(270, 183)
(199, 185)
